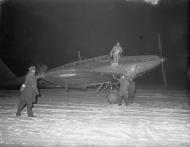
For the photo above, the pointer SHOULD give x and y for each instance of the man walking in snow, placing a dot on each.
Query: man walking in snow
(29, 92)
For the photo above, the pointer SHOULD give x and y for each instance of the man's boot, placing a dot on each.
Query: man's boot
(30, 114)
(29, 111)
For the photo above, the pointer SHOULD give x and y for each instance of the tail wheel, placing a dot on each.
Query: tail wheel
(113, 97)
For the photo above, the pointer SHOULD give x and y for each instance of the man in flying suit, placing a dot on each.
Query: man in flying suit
(116, 52)
(29, 92)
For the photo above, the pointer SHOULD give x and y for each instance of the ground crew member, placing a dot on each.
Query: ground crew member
(131, 90)
(123, 89)
(29, 92)
(115, 53)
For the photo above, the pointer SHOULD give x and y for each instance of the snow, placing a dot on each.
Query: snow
(83, 118)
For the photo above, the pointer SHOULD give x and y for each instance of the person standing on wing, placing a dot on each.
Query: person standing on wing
(29, 92)
(115, 53)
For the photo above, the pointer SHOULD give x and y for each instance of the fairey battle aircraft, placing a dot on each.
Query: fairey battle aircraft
(98, 71)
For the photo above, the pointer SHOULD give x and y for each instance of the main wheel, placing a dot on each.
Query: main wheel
(113, 97)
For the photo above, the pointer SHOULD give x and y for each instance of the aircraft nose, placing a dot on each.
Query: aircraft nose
(163, 59)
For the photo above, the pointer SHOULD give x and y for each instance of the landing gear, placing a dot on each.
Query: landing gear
(113, 97)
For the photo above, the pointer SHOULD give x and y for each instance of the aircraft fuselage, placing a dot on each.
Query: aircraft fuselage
(91, 71)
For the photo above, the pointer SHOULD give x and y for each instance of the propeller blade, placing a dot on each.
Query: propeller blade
(164, 75)
(160, 46)
(162, 62)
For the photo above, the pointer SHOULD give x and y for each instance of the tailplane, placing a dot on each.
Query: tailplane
(5, 73)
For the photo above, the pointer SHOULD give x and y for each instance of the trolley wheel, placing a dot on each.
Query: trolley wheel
(113, 97)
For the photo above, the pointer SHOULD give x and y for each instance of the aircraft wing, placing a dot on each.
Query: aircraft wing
(95, 71)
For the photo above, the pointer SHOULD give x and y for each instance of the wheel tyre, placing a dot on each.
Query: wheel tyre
(113, 97)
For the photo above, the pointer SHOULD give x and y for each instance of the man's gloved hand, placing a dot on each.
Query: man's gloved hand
(40, 76)
(37, 93)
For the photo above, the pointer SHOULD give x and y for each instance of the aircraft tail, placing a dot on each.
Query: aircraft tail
(5, 73)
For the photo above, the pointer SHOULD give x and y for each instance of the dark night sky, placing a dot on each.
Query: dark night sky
(53, 31)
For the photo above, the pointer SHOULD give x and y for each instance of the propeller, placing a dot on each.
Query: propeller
(162, 62)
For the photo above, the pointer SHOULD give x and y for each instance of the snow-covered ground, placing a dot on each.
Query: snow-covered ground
(78, 118)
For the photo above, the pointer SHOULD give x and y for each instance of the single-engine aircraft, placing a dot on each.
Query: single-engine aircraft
(99, 71)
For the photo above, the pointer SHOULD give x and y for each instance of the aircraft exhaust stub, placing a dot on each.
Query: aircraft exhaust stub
(67, 75)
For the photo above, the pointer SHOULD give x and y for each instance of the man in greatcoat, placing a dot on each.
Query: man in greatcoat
(29, 92)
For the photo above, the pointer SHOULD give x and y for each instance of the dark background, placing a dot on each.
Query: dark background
(51, 32)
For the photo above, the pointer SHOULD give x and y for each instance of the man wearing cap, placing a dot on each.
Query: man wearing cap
(115, 53)
(28, 92)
